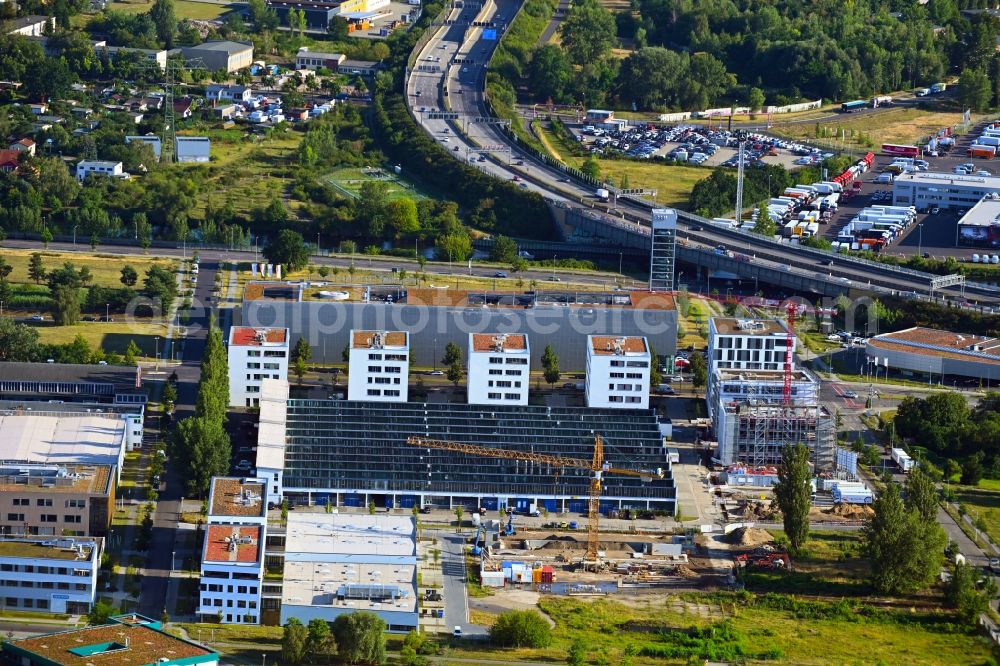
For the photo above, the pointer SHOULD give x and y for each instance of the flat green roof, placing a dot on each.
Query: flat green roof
(35, 549)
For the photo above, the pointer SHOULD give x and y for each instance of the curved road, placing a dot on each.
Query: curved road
(445, 91)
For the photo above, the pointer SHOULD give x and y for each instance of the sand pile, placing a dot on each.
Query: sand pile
(685, 571)
(851, 511)
(749, 537)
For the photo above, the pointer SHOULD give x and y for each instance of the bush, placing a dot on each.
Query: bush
(521, 629)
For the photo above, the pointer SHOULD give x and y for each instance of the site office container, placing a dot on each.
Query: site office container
(983, 152)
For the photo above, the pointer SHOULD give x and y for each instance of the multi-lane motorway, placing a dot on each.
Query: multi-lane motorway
(448, 77)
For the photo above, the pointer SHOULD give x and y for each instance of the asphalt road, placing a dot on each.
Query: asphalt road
(153, 597)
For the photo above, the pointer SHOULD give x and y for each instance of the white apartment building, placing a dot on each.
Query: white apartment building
(232, 572)
(499, 366)
(100, 167)
(255, 354)
(46, 574)
(379, 366)
(744, 344)
(232, 565)
(618, 372)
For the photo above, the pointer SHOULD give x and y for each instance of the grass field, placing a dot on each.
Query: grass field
(747, 628)
(349, 180)
(898, 125)
(983, 502)
(113, 337)
(672, 183)
(105, 268)
(185, 9)
(245, 172)
(830, 564)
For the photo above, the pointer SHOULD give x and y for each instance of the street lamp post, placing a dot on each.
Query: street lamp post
(920, 238)
(74, 233)
(107, 312)
(156, 347)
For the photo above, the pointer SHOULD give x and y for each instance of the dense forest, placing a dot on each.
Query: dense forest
(694, 54)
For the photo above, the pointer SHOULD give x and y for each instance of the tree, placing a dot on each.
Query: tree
(5, 269)
(962, 594)
(129, 276)
(320, 645)
(293, 642)
(213, 385)
(169, 397)
(46, 237)
(453, 360)
(100, 613)
(297, 21)
(972, 469)
(550, 73)
(131, 352)
(459, 512)
(262, 17)
(288, 249)
(699, 370)
(577, 654)
(794, 494)
(524, 628)
(94, 241)
(18, 342)
(765, 225)
(65, 284)
(974, 89)
(504, 250)
(756, 99)
(338, 29)
(165, 20)
(904, 550)
(588, 32)
(454, 247)
(36, 271)
(371, 508)
(414, 646)
(921, 496)
(655, 376)
(591, 168)
(360, 638)
(203, 448)
(301, 354)
(550, 365)
(401, 217)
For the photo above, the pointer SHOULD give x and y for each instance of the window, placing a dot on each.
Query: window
(42, 603)
(374, 357)
(511, 396)
(16, 517)
(617, 375)
(493, 396)
(517, 361)
(638, 364)
(395, 357)
(374, 392)
(62, 586)
(48, 517)
(274, 354)
(492, 372)
(253, 353)
(22, 501)
(392, 393)
(496, 359)
(72, 519)
(76, 504)
(617, 364)
(634, 375)
(633, 399)
(392, 369)
(374, 368)
(615, 398)
(253, 366)
(514, 373)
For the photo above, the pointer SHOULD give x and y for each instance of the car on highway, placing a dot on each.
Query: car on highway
(516, 179)
(935, 210)
(499, 274)
(437, 373)
(38, 317)
(851, 395)
(555, 279)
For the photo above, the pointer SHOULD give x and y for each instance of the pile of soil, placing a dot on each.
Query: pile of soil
(749, 537)
(851, 511)
(685, 571)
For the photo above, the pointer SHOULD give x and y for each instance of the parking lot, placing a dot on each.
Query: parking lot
(933, 234)
(695, 145)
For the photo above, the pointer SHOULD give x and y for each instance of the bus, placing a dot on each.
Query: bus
(856, 105)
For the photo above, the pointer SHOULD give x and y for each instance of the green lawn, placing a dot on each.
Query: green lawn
(983, 502)
(349, 180)
(105, 268)
(748, 628)
(113, 337)
(185, 9)
(830, 564)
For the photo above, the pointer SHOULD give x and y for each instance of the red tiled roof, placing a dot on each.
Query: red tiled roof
(484, 342)
(363, 339)
(605, 345)
(217, 548)
(8, 158)
(244, 336)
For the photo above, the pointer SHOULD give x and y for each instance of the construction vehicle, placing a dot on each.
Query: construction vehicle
(597, 466)
(763, 560)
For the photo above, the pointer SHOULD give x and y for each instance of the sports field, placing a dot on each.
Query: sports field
(349, 180)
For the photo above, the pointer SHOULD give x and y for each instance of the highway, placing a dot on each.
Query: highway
(445, 92)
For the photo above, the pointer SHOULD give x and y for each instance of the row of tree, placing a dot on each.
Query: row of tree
(200, 443)
(355, 638)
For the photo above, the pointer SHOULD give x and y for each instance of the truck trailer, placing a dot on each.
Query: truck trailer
(901, 458)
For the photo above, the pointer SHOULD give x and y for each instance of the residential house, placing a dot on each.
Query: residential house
(24, 145)
(31, 26)
(183, 107)
(9, 160)
(226, 93)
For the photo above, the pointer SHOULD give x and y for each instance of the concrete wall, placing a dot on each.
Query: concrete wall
(327, 327)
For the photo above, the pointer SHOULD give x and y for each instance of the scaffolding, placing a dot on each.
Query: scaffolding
(761, 432)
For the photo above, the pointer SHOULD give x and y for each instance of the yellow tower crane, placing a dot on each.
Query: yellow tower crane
(596, 466)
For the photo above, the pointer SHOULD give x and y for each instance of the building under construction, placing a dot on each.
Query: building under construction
(755, 434)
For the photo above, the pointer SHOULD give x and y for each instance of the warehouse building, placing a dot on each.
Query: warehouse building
(379, 366)
(932, 352)
(66, 500)
(68, 382)
(318, 14)
(337, 564)
(127, 640)
(193, 148)
(980, 227)
(306, 59)
(50, 575)
(498, 369)
(355, 453)
(946, 190)
(435, 317)
(152, 140)
(225, 55)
